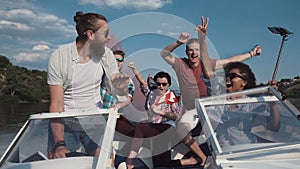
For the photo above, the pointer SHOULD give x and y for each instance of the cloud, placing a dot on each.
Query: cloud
(8, 4)
(28, 33)
(29, 25)
(34, 60)
(40, 47)
(30, 57)
(131, 4)
(13, 25)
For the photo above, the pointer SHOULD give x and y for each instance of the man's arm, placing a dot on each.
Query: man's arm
(137, 73)
(205, 60)
(166, 53)
(57, 105)
(57, 98)
(256, 51)
(273, 121)
(131, 90)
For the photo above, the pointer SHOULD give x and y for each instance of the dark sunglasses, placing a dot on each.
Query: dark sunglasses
(234, 75)
(106, 33)
(164, 84)
(120, 59)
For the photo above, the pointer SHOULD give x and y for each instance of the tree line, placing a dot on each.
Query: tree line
(18, 84)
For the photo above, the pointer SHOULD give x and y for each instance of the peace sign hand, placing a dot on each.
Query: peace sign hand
(201, 28)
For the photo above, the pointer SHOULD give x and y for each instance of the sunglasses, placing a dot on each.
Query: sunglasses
(106, 33)
(120, 59)
(164, 84)
(234, 75)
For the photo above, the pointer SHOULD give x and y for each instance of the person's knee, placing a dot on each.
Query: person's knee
(183, 129)
(188, 140)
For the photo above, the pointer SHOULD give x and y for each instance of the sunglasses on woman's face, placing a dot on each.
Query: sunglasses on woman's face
(234, 75)
(119, 59)
(164, 84)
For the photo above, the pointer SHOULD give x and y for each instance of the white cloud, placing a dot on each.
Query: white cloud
(13, 25)
(34, 25)
(159, 31)
(20, 12)
(135, 4)
(40, 47)
(15, 4)
(29, 57)
(29, 33)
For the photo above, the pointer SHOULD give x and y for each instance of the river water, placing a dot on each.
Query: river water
(13, 116)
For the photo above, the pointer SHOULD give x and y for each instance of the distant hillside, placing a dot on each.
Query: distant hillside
(18, 84)
(291, 88)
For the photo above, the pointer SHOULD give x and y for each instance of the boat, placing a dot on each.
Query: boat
(272, 149)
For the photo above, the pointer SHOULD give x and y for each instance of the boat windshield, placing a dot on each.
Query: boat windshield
(34, 141)
(249, 120)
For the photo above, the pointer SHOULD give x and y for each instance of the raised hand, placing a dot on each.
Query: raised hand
(120, 82)
(184, 37)
(201, 28)
(131, 65)
(256, 50)
(273, 83)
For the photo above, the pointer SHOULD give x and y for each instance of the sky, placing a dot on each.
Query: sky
(30, 30)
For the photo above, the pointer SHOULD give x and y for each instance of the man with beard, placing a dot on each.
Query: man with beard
(75, 73)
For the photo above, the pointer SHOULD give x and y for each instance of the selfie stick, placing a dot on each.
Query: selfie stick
(284, 33)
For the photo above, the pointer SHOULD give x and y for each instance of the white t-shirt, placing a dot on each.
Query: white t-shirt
(84, 91)
(61, 71)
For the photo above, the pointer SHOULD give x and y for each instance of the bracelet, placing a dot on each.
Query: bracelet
(58, 144)
(53, 148)
(179, 42)
(250, 54)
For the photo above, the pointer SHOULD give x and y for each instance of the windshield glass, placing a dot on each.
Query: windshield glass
(36, 140)
(250, 122)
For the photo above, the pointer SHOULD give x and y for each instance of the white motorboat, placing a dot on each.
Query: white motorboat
(274, 149)
(271, 149)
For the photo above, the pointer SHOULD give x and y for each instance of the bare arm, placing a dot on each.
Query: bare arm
(239, 58)
(205, 60)
(166, 53)
(137, 74)
(273, 121)
(120, 83)
(129, 98)
(57, 105)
